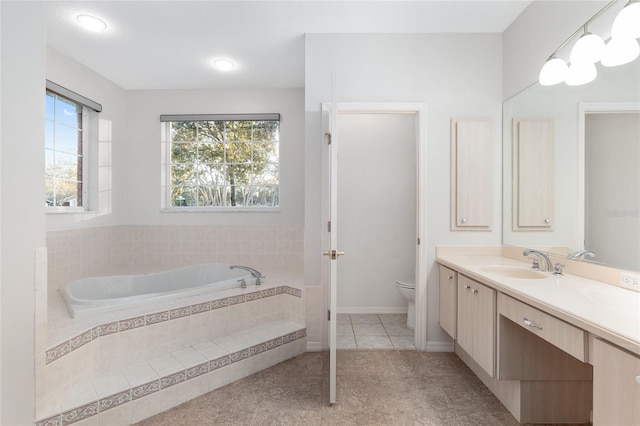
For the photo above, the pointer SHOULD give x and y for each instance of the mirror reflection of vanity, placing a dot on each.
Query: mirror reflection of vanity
(593, 165)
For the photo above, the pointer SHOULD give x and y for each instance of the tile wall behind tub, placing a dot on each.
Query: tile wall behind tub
(80, 253)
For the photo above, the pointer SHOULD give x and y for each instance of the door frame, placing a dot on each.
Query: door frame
(585, 108)
(420, 110)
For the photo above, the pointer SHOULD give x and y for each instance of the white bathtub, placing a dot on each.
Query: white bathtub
(94, 295)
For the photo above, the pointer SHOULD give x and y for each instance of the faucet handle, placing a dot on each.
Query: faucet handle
(535, 264)
(557, 269)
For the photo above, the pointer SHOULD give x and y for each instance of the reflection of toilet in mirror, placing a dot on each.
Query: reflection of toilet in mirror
(407, 289)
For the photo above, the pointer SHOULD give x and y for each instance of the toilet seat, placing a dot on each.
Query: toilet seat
(407, 283)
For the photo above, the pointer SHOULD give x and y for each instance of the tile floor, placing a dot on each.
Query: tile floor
(371, 331)
(375, 387)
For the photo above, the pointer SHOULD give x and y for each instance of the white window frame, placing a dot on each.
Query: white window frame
(90, 110)
(166, 203)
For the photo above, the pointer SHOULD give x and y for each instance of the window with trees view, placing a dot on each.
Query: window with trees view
(63, 152)
(224, 163)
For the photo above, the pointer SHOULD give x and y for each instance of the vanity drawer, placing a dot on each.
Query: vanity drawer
(563, 335)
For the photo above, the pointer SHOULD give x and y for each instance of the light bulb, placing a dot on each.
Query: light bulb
(91, 23)
(223, 64)
(588, 48)
(554, 71)
(581, 73)
(627, 23)
(620, 51)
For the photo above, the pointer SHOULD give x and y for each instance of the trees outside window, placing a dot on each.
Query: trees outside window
(224, 163)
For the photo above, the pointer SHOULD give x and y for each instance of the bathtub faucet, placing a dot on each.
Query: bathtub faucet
(256, 274)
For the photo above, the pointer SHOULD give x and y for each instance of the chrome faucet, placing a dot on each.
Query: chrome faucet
(256, 274)
(542, 256)
(582, 254)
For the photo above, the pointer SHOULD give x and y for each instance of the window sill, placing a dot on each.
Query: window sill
(221, 210)
(69, 210)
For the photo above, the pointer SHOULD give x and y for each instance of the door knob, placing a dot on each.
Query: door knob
(333, 254)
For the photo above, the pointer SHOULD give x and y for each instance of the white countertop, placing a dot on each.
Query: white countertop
(606, 311)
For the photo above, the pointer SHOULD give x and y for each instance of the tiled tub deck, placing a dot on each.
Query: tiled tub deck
(128, 365)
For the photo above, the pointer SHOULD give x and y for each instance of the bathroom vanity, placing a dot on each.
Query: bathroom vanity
(552, 348)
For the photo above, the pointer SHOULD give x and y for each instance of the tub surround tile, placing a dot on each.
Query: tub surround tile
(131, 323)
(180, 312)
(156, 317)
(188, 357)
(113, 401)
(145, 389)
(96, 331)
(119, 390)
(210, 350)
(138, 374)
(165, 364)
(110, 383)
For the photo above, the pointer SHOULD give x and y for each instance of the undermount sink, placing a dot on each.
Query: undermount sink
(513, 272)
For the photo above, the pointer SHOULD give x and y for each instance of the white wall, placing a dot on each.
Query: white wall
(376, 210)
(454, 74)
(536, 34)
(21, 208)
(74, 76)
(143, 151)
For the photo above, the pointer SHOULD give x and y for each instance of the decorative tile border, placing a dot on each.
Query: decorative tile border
(128, 395)
(98, 331)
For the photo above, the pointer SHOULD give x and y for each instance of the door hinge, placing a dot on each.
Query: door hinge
(329, 226)
(328, 314)
(328, 135)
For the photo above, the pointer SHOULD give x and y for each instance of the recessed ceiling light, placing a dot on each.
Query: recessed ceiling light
(223, 64)
(91, 23)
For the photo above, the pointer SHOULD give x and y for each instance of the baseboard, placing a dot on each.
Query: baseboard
(373, 310)
(439, 346)
(314, 346)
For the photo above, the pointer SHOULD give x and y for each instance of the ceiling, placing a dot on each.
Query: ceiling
(171, 44)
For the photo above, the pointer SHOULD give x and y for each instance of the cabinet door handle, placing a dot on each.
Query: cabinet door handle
(466, 287)
(531, 324)
(474, 291)
(450, 277)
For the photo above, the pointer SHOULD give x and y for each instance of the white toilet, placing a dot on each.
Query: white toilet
(407, 289)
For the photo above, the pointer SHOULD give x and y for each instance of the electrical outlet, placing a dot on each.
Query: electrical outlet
(630, 281)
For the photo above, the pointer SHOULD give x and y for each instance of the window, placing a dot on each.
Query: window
(223, 161)
(64, 152)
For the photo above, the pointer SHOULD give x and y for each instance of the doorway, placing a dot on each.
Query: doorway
(377, 227)
(417, 112)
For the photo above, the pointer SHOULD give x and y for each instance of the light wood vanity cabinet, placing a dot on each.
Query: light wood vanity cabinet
(476, 322)
(616, 386)
(448, 282)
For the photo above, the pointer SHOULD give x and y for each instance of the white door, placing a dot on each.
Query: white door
(332, 252)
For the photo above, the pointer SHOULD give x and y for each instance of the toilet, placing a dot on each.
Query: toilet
(407, 289)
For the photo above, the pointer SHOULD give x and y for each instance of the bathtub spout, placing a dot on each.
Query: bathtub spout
(256, 274)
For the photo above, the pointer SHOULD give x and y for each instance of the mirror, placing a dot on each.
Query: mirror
(596, 173)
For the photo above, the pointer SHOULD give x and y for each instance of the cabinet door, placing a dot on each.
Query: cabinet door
(533, 166)
(464, 331)
(616, 386)
(484, 322)
(471, 174)
(448, 284)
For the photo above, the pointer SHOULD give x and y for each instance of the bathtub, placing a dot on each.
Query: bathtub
(90, 296)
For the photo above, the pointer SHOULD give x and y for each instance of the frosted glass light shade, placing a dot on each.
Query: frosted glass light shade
(91, 23)
(223, 64)
(588, 48)
(581, 73)
(620, 51)
(553, 72)
(627, 22)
